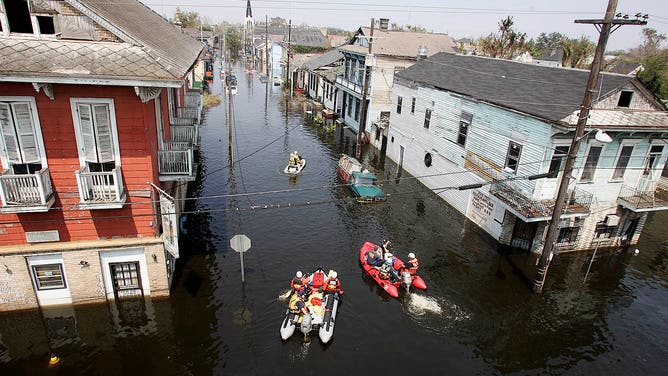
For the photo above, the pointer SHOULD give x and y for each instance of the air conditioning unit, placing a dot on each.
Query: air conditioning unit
(612, 220)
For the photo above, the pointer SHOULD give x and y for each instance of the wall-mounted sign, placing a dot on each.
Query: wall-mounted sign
(42, 236)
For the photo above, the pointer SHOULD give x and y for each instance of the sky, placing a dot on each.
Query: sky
(459, 19)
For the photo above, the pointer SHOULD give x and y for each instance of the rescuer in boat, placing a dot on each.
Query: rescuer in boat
(376, 256)
(411, 266)
(333, 284)
(389, 268)
(298, 282)
(295, 159)
(297, 304)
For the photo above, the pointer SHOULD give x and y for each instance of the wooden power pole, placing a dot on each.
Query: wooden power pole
(605, 27)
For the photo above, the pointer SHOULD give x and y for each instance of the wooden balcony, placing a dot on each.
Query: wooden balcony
(528, 209)
(26, 193)
(100, 190)
(643, 201)
(193, 99)
(185, 133)
(176, 161)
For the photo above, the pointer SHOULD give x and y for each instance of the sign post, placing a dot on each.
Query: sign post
(241, 243)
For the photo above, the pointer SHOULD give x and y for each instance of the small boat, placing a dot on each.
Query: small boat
(392, 288)
(295, 170)
(263, 78)
(322, 311)
(233, 90)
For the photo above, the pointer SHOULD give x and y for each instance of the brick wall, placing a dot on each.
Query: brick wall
(16, 289)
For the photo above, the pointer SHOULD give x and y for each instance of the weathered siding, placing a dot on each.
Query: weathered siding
(137, 136)
(638, 100)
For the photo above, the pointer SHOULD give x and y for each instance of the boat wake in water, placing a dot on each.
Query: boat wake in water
(432, 313)
(284, 296)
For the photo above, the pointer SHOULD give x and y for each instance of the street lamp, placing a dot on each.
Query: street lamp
(600, 136)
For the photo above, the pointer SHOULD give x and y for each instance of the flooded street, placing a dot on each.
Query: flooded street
(477, 316)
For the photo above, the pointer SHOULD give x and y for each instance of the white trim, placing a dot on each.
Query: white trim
(622, 144)
(36, 125)
(124, 255)
(52, 296)
(90, 81)
(77, 127)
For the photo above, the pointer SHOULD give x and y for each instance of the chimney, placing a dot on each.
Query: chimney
(422, 53)
(384, 23)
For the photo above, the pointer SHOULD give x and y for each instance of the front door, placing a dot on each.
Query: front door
(523, 235)
(126, 279)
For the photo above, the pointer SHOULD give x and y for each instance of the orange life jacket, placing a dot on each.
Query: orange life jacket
(412, 266)
(297, 284)
(332, 285)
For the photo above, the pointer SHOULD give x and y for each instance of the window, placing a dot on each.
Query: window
(49, 276)
(427, 117)
(95, 126)
(622, 162)
(357, 109)
(464, 122)
(653, 158)
(513, 157)
(413, 106)
(591, 163)
(46, 25)
(625, 99)
(399, 100)
(20, 137)
(350, 105)
(126, 279)
(568, 235)
(560, 153)
(603, 231)
(18, 15)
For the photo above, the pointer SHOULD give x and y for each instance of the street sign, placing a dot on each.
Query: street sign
(240, 243)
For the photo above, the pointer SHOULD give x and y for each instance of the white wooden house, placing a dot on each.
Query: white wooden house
(466, 120)
(392, 51)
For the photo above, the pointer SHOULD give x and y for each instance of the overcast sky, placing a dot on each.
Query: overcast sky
(457, 18)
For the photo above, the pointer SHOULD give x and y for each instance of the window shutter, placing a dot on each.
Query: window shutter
(8, 134)
(26, 132)
(88, 150)
(105, 146)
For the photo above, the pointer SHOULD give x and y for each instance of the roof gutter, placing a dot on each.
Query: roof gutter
(103, 81)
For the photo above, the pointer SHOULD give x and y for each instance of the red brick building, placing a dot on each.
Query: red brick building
(97, 131)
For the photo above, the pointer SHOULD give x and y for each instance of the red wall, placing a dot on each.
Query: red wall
(137, 137)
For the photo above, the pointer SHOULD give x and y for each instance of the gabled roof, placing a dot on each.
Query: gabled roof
(549, 93)
(307, 37)
(322, 60)
(152, 49)
(554, 55)
(402, 43)
(624, 67)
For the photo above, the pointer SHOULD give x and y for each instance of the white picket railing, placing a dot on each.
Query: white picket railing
(176, 159)
(25, 190)
(183, 133)
(100, 187)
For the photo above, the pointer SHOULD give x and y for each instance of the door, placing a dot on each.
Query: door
(523, 234)
(126, 279)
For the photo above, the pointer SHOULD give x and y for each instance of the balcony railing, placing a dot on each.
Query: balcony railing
(530, 210)
(184, 133)
(100, 190)
(341, 80)
(187, 112)
(176, 162)
(642, 201)
(185, 122)
(26, 193)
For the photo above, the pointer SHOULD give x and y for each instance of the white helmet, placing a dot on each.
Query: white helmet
(333, 275)
(411, 255)
(295, 152)
(298, 274)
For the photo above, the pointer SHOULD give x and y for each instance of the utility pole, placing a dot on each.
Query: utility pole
(367, 76)
(605, 27)
(287, 74)
(266, 44)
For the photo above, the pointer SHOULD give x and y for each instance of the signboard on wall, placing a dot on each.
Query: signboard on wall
(170, 231)
(42, 236)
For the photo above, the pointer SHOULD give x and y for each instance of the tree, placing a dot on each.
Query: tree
(187, 19)
(233, 39)
(546, 43)
(650, 46)
(507, 44)
(577, 52)
(655, 74)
